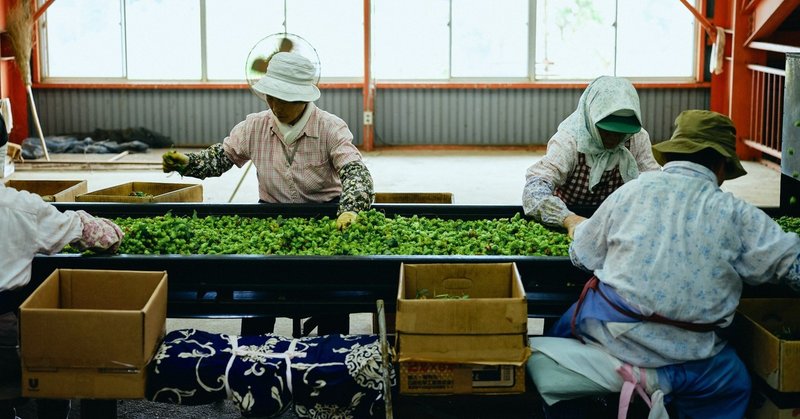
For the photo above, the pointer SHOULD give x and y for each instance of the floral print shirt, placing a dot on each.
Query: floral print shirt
(673, 243)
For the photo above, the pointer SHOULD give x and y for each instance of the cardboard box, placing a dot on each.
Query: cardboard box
(51, 190)
(764, 407)
(149, 192)
(775, 360)
(442, 378)
(91, 333)
(489, 327)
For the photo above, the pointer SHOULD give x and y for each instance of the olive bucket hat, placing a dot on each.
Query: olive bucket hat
(697, 130)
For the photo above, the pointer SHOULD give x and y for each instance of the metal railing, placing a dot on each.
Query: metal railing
(766, 109)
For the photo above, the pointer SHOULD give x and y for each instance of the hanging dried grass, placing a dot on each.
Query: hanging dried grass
(20, 33)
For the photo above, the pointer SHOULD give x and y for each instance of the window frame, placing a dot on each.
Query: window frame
(529, 82)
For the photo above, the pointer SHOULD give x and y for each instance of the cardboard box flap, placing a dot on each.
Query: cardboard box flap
(494, 350)
(155, 326)
(477, 280)
(479, 316)
(107, 290)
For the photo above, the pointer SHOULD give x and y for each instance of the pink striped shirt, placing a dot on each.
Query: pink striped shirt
(323, 147)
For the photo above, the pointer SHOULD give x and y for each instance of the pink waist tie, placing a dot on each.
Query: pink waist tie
(631, 383)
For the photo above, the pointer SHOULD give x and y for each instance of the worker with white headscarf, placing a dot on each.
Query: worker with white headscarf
(597, 149)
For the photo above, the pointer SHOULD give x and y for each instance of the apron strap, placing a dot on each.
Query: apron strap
(594, 284)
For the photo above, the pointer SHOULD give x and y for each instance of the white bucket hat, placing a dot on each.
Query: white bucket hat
(289, 77)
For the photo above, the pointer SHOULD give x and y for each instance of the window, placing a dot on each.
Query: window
(437, 40)
(232, 28)
(115, 39)
(489, 39)
(411, 39)
(582, 39)
(84, 40)
(163, 39)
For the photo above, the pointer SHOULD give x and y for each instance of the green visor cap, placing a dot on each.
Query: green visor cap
(620, 124)
(697, 130)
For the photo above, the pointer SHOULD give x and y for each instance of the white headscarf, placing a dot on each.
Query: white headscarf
(604, 96)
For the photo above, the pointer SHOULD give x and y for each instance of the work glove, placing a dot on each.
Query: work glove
(99, 234)
(345, 219)
(174, 161)
(571, 222)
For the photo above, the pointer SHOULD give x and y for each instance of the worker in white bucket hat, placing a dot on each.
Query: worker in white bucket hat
(301, 153)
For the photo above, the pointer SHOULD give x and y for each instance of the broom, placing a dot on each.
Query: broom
(20, 33)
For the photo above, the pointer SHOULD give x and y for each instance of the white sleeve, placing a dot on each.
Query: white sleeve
(642, 150)
(56, 229)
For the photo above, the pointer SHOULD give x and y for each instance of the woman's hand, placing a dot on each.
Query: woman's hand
(174, 161)
(571, 222)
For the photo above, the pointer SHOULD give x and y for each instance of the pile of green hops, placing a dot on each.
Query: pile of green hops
(372, 234)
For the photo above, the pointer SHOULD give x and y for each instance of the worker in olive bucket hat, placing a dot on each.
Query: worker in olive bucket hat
(699, 136)
(667, 282)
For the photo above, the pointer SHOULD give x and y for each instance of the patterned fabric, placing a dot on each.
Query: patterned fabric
(604, 96)
(99, 234)
(324, 162)
(576, 190)
(211, 162)
(673, 243)
(357, 188)
(555, 170)
(334, 376)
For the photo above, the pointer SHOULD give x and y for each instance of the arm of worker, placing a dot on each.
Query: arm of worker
(541, 179)
(642, 150)
(56, 229)
(210, 162)
(357, 192)
(589, 245)
(771, 254)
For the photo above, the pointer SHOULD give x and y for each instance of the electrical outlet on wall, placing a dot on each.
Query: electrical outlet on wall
(368, 118)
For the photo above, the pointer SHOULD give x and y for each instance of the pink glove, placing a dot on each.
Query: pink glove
(99, 234)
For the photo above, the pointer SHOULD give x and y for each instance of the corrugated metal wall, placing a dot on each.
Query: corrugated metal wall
(402, 116)
(188, 117)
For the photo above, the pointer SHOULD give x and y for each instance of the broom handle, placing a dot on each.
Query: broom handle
(36, 122)
(246, 169)
(385, 361)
